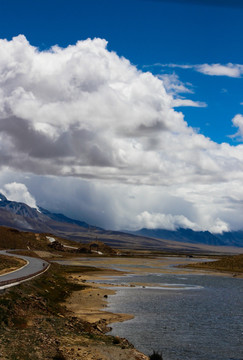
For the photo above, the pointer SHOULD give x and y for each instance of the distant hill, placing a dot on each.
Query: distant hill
(23, 217)
(64, 219)
(195, 237)
(20, 216)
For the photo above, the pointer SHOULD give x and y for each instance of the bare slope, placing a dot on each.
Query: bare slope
(22, 217)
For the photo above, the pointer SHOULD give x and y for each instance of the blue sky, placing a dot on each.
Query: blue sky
(140, 126)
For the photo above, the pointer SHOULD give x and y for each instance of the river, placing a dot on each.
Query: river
(185, 314)
(186, 317)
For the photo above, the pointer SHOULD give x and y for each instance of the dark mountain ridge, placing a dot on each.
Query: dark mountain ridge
(20, 216)
(234, 238)
(64, 219)
(23, 217)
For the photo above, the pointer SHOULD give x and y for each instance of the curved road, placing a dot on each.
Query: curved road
(33, 267)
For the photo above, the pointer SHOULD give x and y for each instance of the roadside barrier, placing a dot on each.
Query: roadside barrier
(23, 278)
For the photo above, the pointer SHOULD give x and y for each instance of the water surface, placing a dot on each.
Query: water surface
(186, 314)
(186, 317)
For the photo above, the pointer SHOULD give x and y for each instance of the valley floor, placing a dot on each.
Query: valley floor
(61, 315)
(57, 316)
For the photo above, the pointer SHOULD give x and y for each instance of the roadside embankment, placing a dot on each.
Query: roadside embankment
(36, 322)
(32, 267)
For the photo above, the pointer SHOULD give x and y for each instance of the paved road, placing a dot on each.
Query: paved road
(33, 266)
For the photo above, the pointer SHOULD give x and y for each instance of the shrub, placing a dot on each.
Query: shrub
(116, 340)
(156, 356)
(59, 356)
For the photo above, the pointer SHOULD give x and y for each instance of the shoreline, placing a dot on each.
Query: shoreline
(89, 306)
(94, 298)
(90, 303)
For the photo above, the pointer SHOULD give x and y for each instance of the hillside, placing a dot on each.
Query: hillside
(229, 264)
(234, 238)
(15, 239)
(20, 216)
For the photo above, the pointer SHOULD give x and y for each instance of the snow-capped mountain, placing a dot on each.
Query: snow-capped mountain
(20, 216)
(23, 217)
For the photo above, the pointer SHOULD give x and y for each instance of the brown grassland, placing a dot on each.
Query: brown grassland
(232, 264)
(35, 321)
(8, 264)
(36, 324)
(49, 317)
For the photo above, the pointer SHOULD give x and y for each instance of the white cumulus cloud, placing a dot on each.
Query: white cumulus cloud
(80, 111)
(238, 122)
(164, 221)
(101, 140)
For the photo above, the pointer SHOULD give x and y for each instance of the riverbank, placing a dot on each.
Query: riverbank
(227, 265)
(62, 314)
(38, 325)
(195, 314)
(89, 304)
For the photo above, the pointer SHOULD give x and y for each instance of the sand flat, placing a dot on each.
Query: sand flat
(89, 304)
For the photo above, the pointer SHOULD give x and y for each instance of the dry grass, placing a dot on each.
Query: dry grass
(35, 323)
(9, 264)
(15, 239)
(228, 263)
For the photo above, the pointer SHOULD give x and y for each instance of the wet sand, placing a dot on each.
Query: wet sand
(89, 304)
(165, 265)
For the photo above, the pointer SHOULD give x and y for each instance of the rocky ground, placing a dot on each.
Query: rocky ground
(48, 318)
(62, 316)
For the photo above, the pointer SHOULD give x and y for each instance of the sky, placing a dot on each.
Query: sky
(124, 113)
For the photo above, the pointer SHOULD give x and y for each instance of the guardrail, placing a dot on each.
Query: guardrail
(23, 278)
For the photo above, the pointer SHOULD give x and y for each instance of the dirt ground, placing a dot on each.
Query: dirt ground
(94, 351)
(89, 305)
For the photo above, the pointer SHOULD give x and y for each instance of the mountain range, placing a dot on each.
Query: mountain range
(23, 217)
(234, 238)
(20, 216)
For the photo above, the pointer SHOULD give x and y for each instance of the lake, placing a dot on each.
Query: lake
(186, 317)
(186, 314)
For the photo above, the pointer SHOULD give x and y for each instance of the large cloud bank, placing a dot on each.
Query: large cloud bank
(83, 112)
